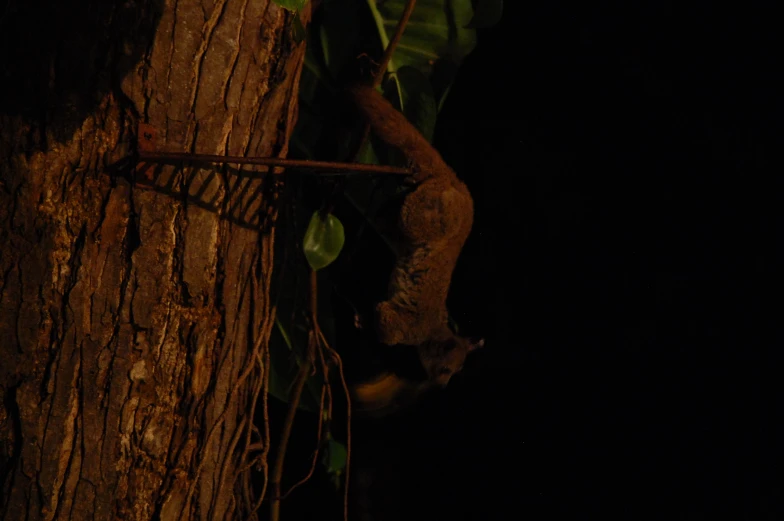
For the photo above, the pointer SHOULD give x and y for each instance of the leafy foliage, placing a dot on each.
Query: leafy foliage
(324, 239)
(334, 458)
(298, 30)
(416, 100)
(285, 359)
(435, 40)
(438, 36)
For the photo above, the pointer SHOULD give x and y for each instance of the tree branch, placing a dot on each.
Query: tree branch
(390, 50)
(324, 389)
(296, 394)
(339, 363)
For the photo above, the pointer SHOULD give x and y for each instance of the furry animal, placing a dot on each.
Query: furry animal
(434, 223)
(385, 394)
(390, 392)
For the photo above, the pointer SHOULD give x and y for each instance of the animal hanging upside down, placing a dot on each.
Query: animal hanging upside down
(434, 223)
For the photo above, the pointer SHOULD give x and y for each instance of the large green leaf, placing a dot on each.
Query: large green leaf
(334, 457)
(298, 30)
(338, 35)
(413, 96)
(324, 239)
(314, 75)
(434, 44)
(435, 33)
(285, 360)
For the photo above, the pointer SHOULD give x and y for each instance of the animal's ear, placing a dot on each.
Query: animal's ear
(475, 343)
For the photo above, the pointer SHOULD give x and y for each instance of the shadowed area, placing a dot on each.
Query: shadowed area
(61, 57)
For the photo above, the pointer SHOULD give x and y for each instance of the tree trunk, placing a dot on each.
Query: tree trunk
(134, 310)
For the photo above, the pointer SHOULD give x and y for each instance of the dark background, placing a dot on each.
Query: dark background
(623, 270)
(624, 164)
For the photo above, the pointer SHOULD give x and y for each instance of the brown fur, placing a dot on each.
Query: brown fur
(435, 221)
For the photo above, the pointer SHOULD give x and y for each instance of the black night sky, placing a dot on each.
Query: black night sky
(622, 269)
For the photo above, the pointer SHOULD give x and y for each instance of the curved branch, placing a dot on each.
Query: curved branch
(390, 50)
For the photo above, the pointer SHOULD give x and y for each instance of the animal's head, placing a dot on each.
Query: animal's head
(444, 357)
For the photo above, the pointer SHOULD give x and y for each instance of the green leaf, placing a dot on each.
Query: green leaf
(368, 154)
(283, 370)
(324, 239)
(486, 14)
(338, 35)
(284, 334)
(314, 75)
(415, 100)
(291, 5)
(435, 32)
(298, 30)
(334, 457)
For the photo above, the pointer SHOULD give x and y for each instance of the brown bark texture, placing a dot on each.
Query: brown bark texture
(134, 309)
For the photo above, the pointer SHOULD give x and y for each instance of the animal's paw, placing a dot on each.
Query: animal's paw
(410, 181)
(388, 324)
(475, 343)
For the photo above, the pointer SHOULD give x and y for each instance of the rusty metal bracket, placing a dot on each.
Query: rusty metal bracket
(148, 153)
(147, 138)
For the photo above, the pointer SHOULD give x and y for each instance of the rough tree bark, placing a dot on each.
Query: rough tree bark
(133, 310)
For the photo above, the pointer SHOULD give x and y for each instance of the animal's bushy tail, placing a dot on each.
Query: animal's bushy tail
(392, 127)
(386, 394)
